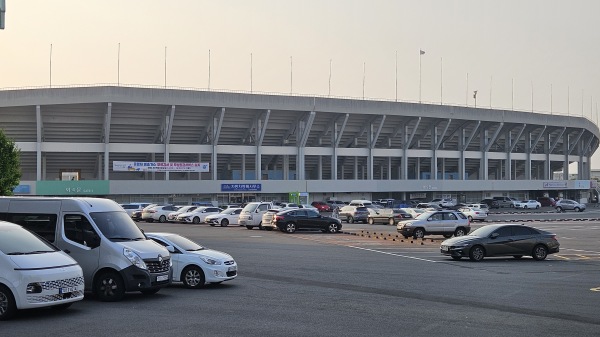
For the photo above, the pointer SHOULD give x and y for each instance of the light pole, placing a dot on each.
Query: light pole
(421, 53)
(475, 97)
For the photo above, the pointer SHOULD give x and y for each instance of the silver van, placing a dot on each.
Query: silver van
(252, 213)
(113, 252)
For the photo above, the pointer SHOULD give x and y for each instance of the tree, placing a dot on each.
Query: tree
(10, 170)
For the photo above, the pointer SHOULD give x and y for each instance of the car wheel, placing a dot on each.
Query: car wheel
(371, 221)
(268, 229)
(448, 236)
(290, 227)
(196, 220)
(224, 223)
(162, 218)
(249, 227)
(517, 256)
(460, 232)
(149, 291)
(350, 219)
(193, 277)
(540, 252)
(150, 220)
(260, 226)
(577, 209)
(537, 206)
(477, 253)
(559, 209)
(525, 207)
(7, 303)
(212, 225)
(332, 228)
(456, 258)
(109, 287)
(419, 233)
(391, 221)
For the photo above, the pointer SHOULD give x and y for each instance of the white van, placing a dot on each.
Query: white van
(252, 213)
(35, 274)
(113, 252)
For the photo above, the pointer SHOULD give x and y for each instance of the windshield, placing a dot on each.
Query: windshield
(185, 243)
(229, 211)
(19, 241)
(423, 216)
(250, 208)
(117, 226)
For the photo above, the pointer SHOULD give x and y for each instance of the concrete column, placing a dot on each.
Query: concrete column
(320, 168)
(38, 145)
(243, 167)
(286, 167)
(355, 168)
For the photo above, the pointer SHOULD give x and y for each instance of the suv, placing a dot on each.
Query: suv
(446, 223)
(354, 214)
(445, 202)
(492, 203)
(506, 201)
(545, 201)
(388, 216)
(569, 205)
(289, 221)
(252, 213)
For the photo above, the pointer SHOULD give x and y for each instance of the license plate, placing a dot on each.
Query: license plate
(67, 290)
(445, 248)
(162, 278)
(231, 269)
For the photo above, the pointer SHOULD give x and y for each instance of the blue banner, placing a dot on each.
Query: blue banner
(241, 187)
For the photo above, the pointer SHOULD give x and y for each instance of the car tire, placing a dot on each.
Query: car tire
(290, 227)
(460, 232)
(391, 221)
(212, 225)
(249, 227)
(537, 206)
(419, 233)
(332, 228)
(224, 223)
(559, 209)
(150, 220)
(540, 252)
(456, 258)
(162, 219)
(196, 220)
(350, 219)
(371, 221)
(8, 307)
(193, 277)
(150, 291)
(448, 236)
(268, 229)
(517, 256)
(477, 253)
(109, 287)
(577, 209)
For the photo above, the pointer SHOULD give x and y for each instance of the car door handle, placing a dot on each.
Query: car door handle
(67, 251)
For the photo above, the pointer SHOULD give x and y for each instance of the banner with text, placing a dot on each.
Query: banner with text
(155, 166)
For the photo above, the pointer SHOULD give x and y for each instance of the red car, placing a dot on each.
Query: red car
(322, 206)
(545, 201)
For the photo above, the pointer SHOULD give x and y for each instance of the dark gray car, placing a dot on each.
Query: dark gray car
(502, 240)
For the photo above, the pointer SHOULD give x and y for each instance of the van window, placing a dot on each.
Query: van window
(78, 229)
(117, 226)
(43, 225)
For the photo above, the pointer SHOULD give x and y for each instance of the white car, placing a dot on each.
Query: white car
(35, 274)
(158, 213)
(198, 215)
(193, 264)
(172, 217)
(134, 206)
(445, 202)
(473, 213)
(528, 204)
(226, 217)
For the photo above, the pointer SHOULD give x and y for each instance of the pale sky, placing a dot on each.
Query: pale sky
(548, 47)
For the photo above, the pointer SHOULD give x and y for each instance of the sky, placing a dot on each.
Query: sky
(532, 55)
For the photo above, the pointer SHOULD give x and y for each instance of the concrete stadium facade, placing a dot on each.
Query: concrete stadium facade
(320, 146)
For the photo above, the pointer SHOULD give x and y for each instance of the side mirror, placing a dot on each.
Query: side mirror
(494, 235)
(171, 249)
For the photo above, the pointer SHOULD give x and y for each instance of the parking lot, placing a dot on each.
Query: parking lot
(362, 282)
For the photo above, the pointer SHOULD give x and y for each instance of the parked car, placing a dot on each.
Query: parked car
(505, 201)
(414, 212)
(528, 204)
(137, 214)
(569, 205)
(444, 222)
(335, 203)
(491, 203)
(34, 273)
(473, 213)
(289, 205)
(193, 264)
(198, 215)
(269, 215)
(354, 214)
(225, 218)
(444, 202)
(502, 240)
(312, 207)
(483, 207)
(321, 206)
(292, 220)
(252, 213)
(158, 213)
(545, 201)
(134, 206)
(172, 217)
(388, 216)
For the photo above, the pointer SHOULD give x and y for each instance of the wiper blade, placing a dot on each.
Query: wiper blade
(122, 239)
(32, 252)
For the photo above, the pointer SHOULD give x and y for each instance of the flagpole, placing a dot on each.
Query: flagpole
(491, 82)
(467, 92)
(209, 70)
(51, 65)
(329, 92)
(250, 72)
(396, 59)
(551, 109)
(512, 95)
(165, 66)
(119, 65)
(364, 66)
(291, 74)
(421, 52)
(441, 81)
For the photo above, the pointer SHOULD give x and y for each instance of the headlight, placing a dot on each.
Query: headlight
(407, 224)
(210, 261)
(135, 259)
(34, 288)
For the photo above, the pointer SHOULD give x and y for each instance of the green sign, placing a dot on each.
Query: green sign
(72, 187)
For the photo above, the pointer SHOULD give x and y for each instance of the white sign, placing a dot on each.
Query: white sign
(555, 184)
(154, 166)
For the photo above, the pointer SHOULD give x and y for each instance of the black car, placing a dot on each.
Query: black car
(294, 219)
(491, 203)
(502, 240)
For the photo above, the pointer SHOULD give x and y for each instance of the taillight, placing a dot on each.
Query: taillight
(278, 217)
